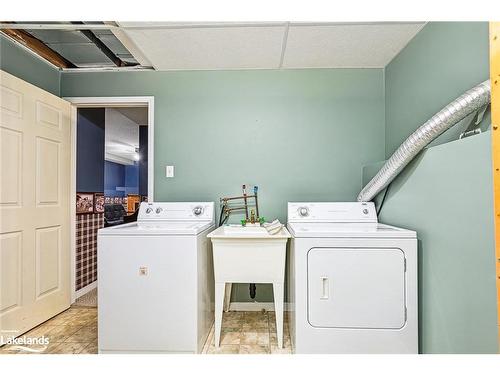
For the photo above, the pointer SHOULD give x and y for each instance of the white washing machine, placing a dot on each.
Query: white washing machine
(155, 280)
(352, 282)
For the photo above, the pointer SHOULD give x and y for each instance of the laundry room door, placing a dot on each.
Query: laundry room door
(34, 205)
(356, 288)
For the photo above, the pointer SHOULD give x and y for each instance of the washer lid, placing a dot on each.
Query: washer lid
(348, 230)
(157, 228)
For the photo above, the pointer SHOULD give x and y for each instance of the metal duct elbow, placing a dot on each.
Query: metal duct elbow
(467, 103)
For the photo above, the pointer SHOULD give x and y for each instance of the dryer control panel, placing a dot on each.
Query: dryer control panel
(332, 212)
(177, 211)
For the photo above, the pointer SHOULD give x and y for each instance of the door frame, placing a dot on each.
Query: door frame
(494, 33)
(108, 102)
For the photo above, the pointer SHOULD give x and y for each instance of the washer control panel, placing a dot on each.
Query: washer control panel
(332, 212)
(178, 211)
(303, 211)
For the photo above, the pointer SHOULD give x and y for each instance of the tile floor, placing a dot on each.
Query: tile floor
(74, 331)
(249, 332)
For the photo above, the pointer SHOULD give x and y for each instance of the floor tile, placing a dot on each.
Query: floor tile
(254, 338)
(9, 349)
(90, 349)
(231, 329)
(61, 333)
(232, 324)
(254, 328)
(41, 330)
(230, 338)
(276, 350)
(258, 334)
(68, 348)
(273, 339)
(254, 349)
(224, 349)
(85, 334)
(233, 316)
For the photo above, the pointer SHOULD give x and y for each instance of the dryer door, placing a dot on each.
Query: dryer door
(356, 288)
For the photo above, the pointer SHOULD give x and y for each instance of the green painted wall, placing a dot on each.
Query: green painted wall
(446, 193)
(297, 134)
(444, 60)
(22, 64)
(446, 196)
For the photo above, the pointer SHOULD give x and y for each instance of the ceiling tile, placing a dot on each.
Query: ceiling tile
(192, 48)
(346, 45)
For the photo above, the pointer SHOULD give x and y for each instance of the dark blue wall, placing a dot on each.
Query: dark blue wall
(143, 161)
(114, 177)
(120, 180)
(132, 179)
(90, 150)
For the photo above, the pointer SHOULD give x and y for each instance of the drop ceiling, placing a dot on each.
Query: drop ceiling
(177, 46)
(218, 46)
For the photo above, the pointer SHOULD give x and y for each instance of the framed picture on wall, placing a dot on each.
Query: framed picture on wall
(117, 200)
(133, 201)
(99, 202)
(84, 203)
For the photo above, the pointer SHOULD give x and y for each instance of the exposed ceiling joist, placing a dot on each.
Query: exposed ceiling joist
(94, 39)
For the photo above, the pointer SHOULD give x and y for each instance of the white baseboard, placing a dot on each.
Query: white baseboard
(85, 290)
(254, 306)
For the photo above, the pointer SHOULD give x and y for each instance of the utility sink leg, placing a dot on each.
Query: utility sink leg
(227, 298)
(278, 291)
(219, 304)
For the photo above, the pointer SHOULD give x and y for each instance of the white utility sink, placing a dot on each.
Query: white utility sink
(248, 255)
(241, 230)
(246, 231)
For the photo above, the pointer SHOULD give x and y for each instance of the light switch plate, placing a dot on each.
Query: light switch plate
(169, 170)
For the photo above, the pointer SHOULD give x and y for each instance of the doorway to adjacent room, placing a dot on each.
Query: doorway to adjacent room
(112, 159)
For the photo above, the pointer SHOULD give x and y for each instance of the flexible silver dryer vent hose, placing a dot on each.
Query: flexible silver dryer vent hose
(467, 103)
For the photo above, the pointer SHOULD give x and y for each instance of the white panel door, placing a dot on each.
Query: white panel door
(34, 205)
(356, 288)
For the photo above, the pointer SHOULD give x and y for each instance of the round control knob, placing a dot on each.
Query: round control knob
(303, 211)
(365, 211)
(148, 210)
(158, 210)
(198, 210)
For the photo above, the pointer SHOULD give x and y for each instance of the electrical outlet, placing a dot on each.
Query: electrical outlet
(143, 271)
(169, 171)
